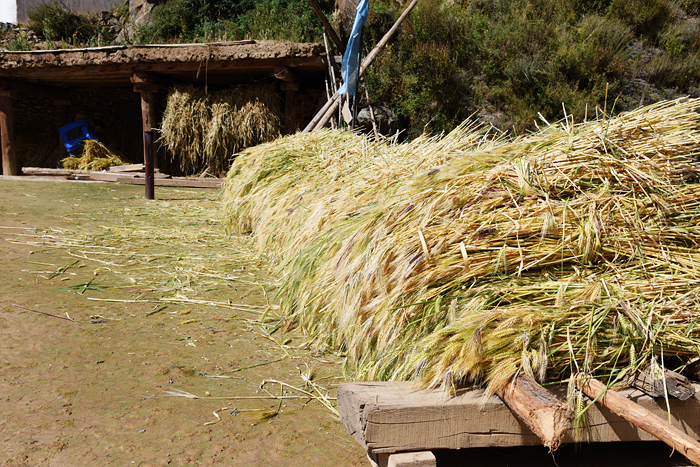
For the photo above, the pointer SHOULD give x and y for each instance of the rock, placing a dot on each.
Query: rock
(140, 10)
(387, 123)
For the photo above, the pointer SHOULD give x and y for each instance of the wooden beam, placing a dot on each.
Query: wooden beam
(127, 168)
(148, 117)
(396, 416)
(147, 87)
(327, 26)
(283, 73)
(7, 137)
(41, 171)
(543, 413)
(639, 416)
(289, 102)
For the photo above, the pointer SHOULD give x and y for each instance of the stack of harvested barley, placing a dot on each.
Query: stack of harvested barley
(94, 156)
(467, 259)
(204, 131)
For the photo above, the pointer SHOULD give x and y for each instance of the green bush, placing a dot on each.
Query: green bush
(519, 58)
(646, 17)
(55, 22)
(682, 37)
(201, 20)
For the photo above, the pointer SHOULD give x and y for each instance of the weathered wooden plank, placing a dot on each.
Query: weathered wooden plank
(127, 168)
(412, 459)
(672, 384)
(393, 417)
(183, 182)
(104, 176)
(41, 171)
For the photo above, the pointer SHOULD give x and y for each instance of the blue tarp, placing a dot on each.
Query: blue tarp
(74, 134)
(351, 60)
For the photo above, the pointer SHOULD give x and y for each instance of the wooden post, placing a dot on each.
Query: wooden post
(7, 137)
(327, 26)
(148, 164)
(639, 416)
(290, 98)
(543, 413)
(147, 84)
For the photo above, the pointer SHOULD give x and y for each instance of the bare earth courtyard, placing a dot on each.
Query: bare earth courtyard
(99, 390)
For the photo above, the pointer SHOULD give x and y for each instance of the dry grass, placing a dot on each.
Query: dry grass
(466, 259)
(204, 131)
(95, 156)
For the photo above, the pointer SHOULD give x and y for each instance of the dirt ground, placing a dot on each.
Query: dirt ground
(162, 302)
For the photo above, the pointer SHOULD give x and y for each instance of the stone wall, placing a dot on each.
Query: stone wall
(37, 119)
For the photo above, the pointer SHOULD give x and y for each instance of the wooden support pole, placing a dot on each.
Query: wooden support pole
(290, 97)
(327, 26)
(332, 105)
(639, 416)
(544, 414)
(148, 116)
(7, 137)
(148, 164)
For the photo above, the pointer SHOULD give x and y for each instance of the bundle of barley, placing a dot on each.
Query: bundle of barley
(95, 156)
(205, 130)
(467, 259)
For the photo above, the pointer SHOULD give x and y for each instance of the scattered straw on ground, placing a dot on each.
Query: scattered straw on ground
(204, 131)
(468, 258)
(95, 156)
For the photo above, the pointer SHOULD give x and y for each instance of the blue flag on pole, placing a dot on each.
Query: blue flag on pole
(350, 66)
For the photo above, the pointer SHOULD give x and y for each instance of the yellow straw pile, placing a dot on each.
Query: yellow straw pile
(95, 156)
(468, 258)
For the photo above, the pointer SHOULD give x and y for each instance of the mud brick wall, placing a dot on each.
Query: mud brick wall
(37, 119)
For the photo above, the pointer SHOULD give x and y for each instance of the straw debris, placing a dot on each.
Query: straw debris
(95, 156)
(204, 131)
(469, 258)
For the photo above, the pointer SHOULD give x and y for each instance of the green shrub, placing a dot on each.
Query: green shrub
(682, 37)
(201, 20)
(597, 48)
(646, 17)
(55, 22)
(19, 42)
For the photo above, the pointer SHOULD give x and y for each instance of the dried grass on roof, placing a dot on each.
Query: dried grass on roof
(95, 156)
(204, 131)
(468, 258)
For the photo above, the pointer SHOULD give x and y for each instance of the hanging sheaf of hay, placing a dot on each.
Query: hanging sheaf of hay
(95, 156)
(469, 258)
(204, 131)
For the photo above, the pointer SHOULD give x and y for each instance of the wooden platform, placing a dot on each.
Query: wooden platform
(394, 417)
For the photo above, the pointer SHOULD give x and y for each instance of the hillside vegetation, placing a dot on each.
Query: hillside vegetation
(510, 63)
(508, 60)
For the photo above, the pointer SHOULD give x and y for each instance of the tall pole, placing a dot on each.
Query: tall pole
(148, 164)
(9, 159)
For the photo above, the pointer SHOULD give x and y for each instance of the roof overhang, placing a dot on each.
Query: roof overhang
(217, 63)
